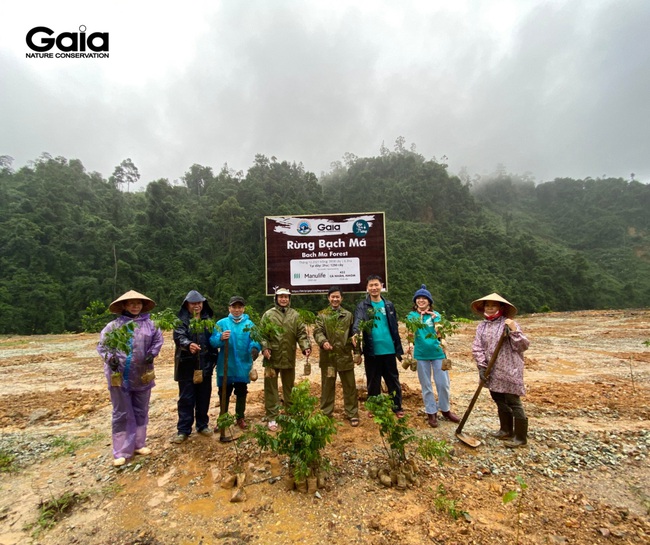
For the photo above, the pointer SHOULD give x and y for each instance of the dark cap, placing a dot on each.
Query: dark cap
(236, 299)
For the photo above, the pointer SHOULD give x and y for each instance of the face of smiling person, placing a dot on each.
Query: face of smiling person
(283, 300)
(236, 310)
(335, 299)
(491, 307)
(195, 308)
(133, 306)
(374, 289)
(422, 303)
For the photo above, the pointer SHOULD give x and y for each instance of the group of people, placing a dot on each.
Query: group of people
(230, 348)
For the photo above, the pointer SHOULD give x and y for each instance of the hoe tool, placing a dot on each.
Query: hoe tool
(468, 439)
(224, 393)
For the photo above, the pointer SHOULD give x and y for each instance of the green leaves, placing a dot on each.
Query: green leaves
(430, 449)
(304, 432)
(265, 331)
(119, 338)
(511, 495)
(392, 429)
(70, 238)
(95, 317)
(199, 325)
(166, 319)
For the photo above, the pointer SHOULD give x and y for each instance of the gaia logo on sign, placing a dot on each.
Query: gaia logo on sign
(69, 45)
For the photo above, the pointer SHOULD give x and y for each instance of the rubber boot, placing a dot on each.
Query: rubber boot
(521, 434)
(506, 429)
(432, 420)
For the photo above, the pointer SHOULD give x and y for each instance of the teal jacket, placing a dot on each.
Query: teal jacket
(240, 345)
(426, 344)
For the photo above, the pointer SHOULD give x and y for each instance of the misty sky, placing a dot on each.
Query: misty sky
(554, 88)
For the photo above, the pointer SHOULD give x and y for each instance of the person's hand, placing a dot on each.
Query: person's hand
(149, 359)
(327, 346)
(225, 335)
(113, 363)
(306, 352)
(510, 324)
(354, 341)
(481, 373)
(194, 348)
(254, 353)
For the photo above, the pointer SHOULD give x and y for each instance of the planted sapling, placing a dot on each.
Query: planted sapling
(518, 495)
(448, 505)
(304, 432)
(393, 430)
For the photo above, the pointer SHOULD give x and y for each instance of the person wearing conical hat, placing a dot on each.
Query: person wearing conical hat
(506, 378)
(130, 375)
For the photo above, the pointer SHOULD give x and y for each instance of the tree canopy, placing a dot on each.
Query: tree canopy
(68, 237)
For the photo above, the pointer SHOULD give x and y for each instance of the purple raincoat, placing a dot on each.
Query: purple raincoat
(131, 401)
(507, 375)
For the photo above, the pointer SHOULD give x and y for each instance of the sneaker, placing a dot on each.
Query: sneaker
(242, 423)
(144, 451)
(400, 413)
(180, 438)
(272, 425)
(119, 462)
(205, 431)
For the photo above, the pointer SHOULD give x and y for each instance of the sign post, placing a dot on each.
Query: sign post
(311, 253)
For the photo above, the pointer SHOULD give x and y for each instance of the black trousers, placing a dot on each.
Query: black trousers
(509, 404)
(241, 391)
(384, 366)
(193, 402)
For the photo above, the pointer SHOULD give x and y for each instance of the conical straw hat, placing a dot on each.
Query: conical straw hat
(509, 311)
(116, 307)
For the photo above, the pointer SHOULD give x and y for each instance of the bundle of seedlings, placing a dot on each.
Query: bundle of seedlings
(115, 341)
(307, 318)
(444, 328)
(304, 432)
(365, 326)
(402, 469)
(197, 327)
(263, 331)
(119, 340)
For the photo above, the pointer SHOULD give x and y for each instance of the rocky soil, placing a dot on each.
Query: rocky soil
(586, 468)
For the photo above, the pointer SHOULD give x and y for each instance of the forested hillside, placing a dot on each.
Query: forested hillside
(69, 237)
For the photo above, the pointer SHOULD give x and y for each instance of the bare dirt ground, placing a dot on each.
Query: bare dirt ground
(586, 466)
